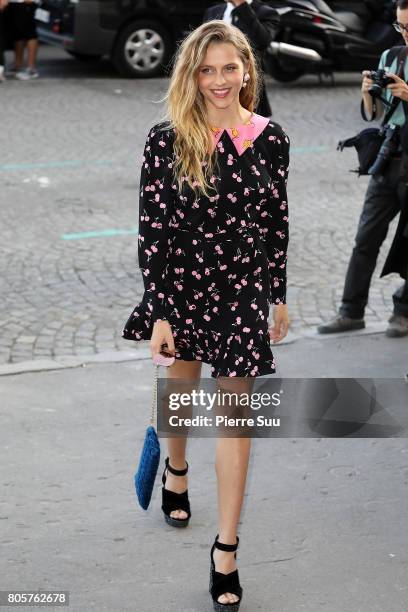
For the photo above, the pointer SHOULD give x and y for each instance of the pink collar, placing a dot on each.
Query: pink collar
(243, 135)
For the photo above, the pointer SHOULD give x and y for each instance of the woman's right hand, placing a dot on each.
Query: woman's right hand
(367, 82)
(162, 334)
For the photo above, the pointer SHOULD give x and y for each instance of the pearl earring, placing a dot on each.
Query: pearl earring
(246, 78)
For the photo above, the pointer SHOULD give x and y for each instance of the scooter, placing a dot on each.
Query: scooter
(328, 39)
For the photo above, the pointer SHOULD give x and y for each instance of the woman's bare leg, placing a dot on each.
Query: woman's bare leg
(19, 47)
(32, 48)
(232, 459)
(189, 370)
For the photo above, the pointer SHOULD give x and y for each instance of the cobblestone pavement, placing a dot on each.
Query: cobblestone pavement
(70, 168)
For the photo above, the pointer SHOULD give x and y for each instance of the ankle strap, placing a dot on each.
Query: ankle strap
(174, 471)
(226, 547)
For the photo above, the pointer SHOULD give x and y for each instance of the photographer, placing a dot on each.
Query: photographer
(385, 196)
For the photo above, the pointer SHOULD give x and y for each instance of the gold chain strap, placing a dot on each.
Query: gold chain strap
(154, 399)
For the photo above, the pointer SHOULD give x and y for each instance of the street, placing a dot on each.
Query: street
(322, 526)
(70, 170)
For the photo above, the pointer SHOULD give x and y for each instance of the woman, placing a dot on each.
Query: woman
(213, 236)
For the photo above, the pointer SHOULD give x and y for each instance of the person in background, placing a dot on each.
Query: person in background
(3, 4)
(385, 198)
(259, 22)
(24, 31)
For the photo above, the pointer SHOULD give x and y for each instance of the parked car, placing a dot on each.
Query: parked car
(139, 36)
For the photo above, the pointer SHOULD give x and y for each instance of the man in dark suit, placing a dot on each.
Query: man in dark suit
(259, 22)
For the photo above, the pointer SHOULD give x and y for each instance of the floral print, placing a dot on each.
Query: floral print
(212, 266)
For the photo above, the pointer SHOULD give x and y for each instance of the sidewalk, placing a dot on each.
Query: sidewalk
(322, 527)
(363, 353)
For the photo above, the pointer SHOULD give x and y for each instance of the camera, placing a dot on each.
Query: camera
(388, 148)
(380, 81)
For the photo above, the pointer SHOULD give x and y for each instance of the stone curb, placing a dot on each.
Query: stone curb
(143, 353)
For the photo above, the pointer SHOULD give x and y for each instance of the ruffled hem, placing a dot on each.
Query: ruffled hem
(139, 325)
(246, 354)
(243, 354)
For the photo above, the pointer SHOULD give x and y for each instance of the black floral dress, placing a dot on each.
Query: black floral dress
(212, 266)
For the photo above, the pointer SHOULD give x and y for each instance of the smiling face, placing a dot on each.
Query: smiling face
(402, 18)
(221, 75)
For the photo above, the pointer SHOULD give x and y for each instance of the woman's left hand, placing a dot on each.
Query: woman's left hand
(281, 323)
(399, 89)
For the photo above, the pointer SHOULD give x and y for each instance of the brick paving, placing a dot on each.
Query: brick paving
(71, 165)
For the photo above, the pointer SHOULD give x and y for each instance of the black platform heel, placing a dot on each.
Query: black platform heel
(224, 583)
(175, 501)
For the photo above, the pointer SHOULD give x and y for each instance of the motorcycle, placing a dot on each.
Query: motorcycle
(321, 39)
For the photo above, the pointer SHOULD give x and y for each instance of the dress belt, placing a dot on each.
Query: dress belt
(251, 237)
(242, 232)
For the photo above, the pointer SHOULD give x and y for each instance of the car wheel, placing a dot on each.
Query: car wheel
(141, 50)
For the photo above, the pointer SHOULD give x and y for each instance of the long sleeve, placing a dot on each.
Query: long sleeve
(276, 222)
(155, 210)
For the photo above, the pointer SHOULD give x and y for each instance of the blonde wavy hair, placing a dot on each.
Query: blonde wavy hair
(185, 106)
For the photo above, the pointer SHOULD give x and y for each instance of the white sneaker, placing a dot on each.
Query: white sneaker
(21, 75)
(2, 75)
(33, 73)
(27, 75)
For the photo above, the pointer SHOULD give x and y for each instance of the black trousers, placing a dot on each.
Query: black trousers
(383, 201)
(2, 38)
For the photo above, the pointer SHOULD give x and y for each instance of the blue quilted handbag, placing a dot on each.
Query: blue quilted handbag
(149, 457)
